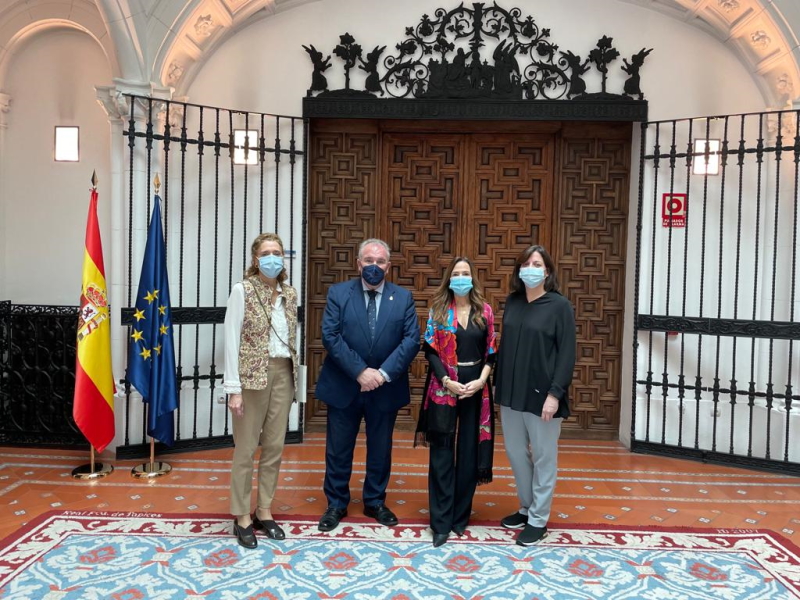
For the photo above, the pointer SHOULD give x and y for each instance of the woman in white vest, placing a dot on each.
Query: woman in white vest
(260, 380)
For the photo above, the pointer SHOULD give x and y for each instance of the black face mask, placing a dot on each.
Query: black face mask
(372, 274)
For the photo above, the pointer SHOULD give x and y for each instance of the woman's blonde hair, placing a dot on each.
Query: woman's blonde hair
(252, 270)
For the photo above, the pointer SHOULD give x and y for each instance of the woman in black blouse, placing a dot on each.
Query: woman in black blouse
(456, 417)
(534, 371)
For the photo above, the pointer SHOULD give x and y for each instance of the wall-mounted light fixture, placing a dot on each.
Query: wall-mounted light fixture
(240, 156)
(702, 164)
(67, 146)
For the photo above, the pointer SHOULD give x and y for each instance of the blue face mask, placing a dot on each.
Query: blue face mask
(372, 274)
(461, 284)
(531, 276)
(270, 265)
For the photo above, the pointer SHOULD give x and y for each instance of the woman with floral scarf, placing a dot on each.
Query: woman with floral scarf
(456, 419)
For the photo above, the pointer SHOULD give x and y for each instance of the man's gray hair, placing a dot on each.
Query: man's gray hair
(372, 241)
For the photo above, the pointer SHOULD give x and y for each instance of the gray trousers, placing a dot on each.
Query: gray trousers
(534, 469)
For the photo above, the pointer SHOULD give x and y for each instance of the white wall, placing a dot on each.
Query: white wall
(45, 203)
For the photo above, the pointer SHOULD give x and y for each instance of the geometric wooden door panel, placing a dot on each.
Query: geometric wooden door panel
(341, 213)
(486, 194)
(510, 202)
(592, 233)
(420, 216)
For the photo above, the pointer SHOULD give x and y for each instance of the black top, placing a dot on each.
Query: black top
(470, 346)
(537, 353)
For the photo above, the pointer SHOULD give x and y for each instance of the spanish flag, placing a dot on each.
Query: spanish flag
(93, 406)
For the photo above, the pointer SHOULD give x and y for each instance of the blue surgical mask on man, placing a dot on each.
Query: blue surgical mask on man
(270, 265)
(461, 284)
(532, 276)
(372, 274)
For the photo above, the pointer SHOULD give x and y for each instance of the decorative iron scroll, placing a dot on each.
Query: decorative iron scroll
(476, 53)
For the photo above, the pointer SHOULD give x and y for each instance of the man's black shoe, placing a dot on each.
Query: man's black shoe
(330, 520)
(381, 514)
(245, 535)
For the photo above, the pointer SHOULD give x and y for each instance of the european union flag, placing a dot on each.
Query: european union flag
(151, 355)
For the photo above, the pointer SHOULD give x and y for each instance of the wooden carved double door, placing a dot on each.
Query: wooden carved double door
(435, 191)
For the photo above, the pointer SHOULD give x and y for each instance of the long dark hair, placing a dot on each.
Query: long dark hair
(550, 282)
(443, 297)
(253, 270)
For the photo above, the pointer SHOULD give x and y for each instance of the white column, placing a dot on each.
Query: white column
(5, 104)
(117, 192)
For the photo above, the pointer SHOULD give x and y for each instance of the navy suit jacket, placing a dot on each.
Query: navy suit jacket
(345, 335)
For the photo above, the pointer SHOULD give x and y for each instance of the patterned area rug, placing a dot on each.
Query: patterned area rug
(133, 556)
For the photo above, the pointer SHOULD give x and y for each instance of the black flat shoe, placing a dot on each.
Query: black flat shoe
(330, 520)
(459, 531)
(270, 527)
(245, 535)
(439, 539)
(382, 514)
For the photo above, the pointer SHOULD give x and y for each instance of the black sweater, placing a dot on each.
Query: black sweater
(537, 353)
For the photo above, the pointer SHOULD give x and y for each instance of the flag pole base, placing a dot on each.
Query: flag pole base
(150, 470)
(87, 472)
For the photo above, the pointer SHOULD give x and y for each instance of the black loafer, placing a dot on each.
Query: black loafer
(459, 531)
(270, 527)
(330, 520)
(381, 514)
(439, 539)
(245, 535)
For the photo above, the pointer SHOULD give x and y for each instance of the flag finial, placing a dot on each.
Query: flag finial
(157, 182)
(94, 180)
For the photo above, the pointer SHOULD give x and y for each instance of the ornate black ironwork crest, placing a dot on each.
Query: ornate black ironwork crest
(482, 52)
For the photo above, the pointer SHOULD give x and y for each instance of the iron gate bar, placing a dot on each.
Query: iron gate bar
(788, 394)
(682, 376)
(740, 163)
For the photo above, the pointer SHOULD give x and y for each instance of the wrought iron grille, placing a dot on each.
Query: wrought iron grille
(715, 370)
(37, 375)
(213, 208)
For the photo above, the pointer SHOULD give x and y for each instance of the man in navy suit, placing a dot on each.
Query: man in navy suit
(371, 333)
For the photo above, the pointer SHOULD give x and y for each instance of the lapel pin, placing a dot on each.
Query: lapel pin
(391, 297)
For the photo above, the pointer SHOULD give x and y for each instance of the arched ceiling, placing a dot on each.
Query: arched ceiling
(22, 19)
(166, 42)
(762, 33)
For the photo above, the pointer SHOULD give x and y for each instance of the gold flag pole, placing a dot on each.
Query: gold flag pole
(152, 469)
(94, 470)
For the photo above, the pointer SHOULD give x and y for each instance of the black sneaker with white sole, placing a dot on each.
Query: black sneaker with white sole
(515, 521)
(530, 535)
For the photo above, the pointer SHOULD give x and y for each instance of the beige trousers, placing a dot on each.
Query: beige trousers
(266, 414)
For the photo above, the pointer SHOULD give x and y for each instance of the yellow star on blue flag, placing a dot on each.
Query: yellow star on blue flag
(151, 354)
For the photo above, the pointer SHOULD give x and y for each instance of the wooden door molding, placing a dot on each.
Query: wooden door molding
(421, 217)
(510, 204)
(591, 233)
(343, 171)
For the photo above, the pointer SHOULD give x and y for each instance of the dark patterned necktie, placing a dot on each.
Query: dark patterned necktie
(372, 312)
